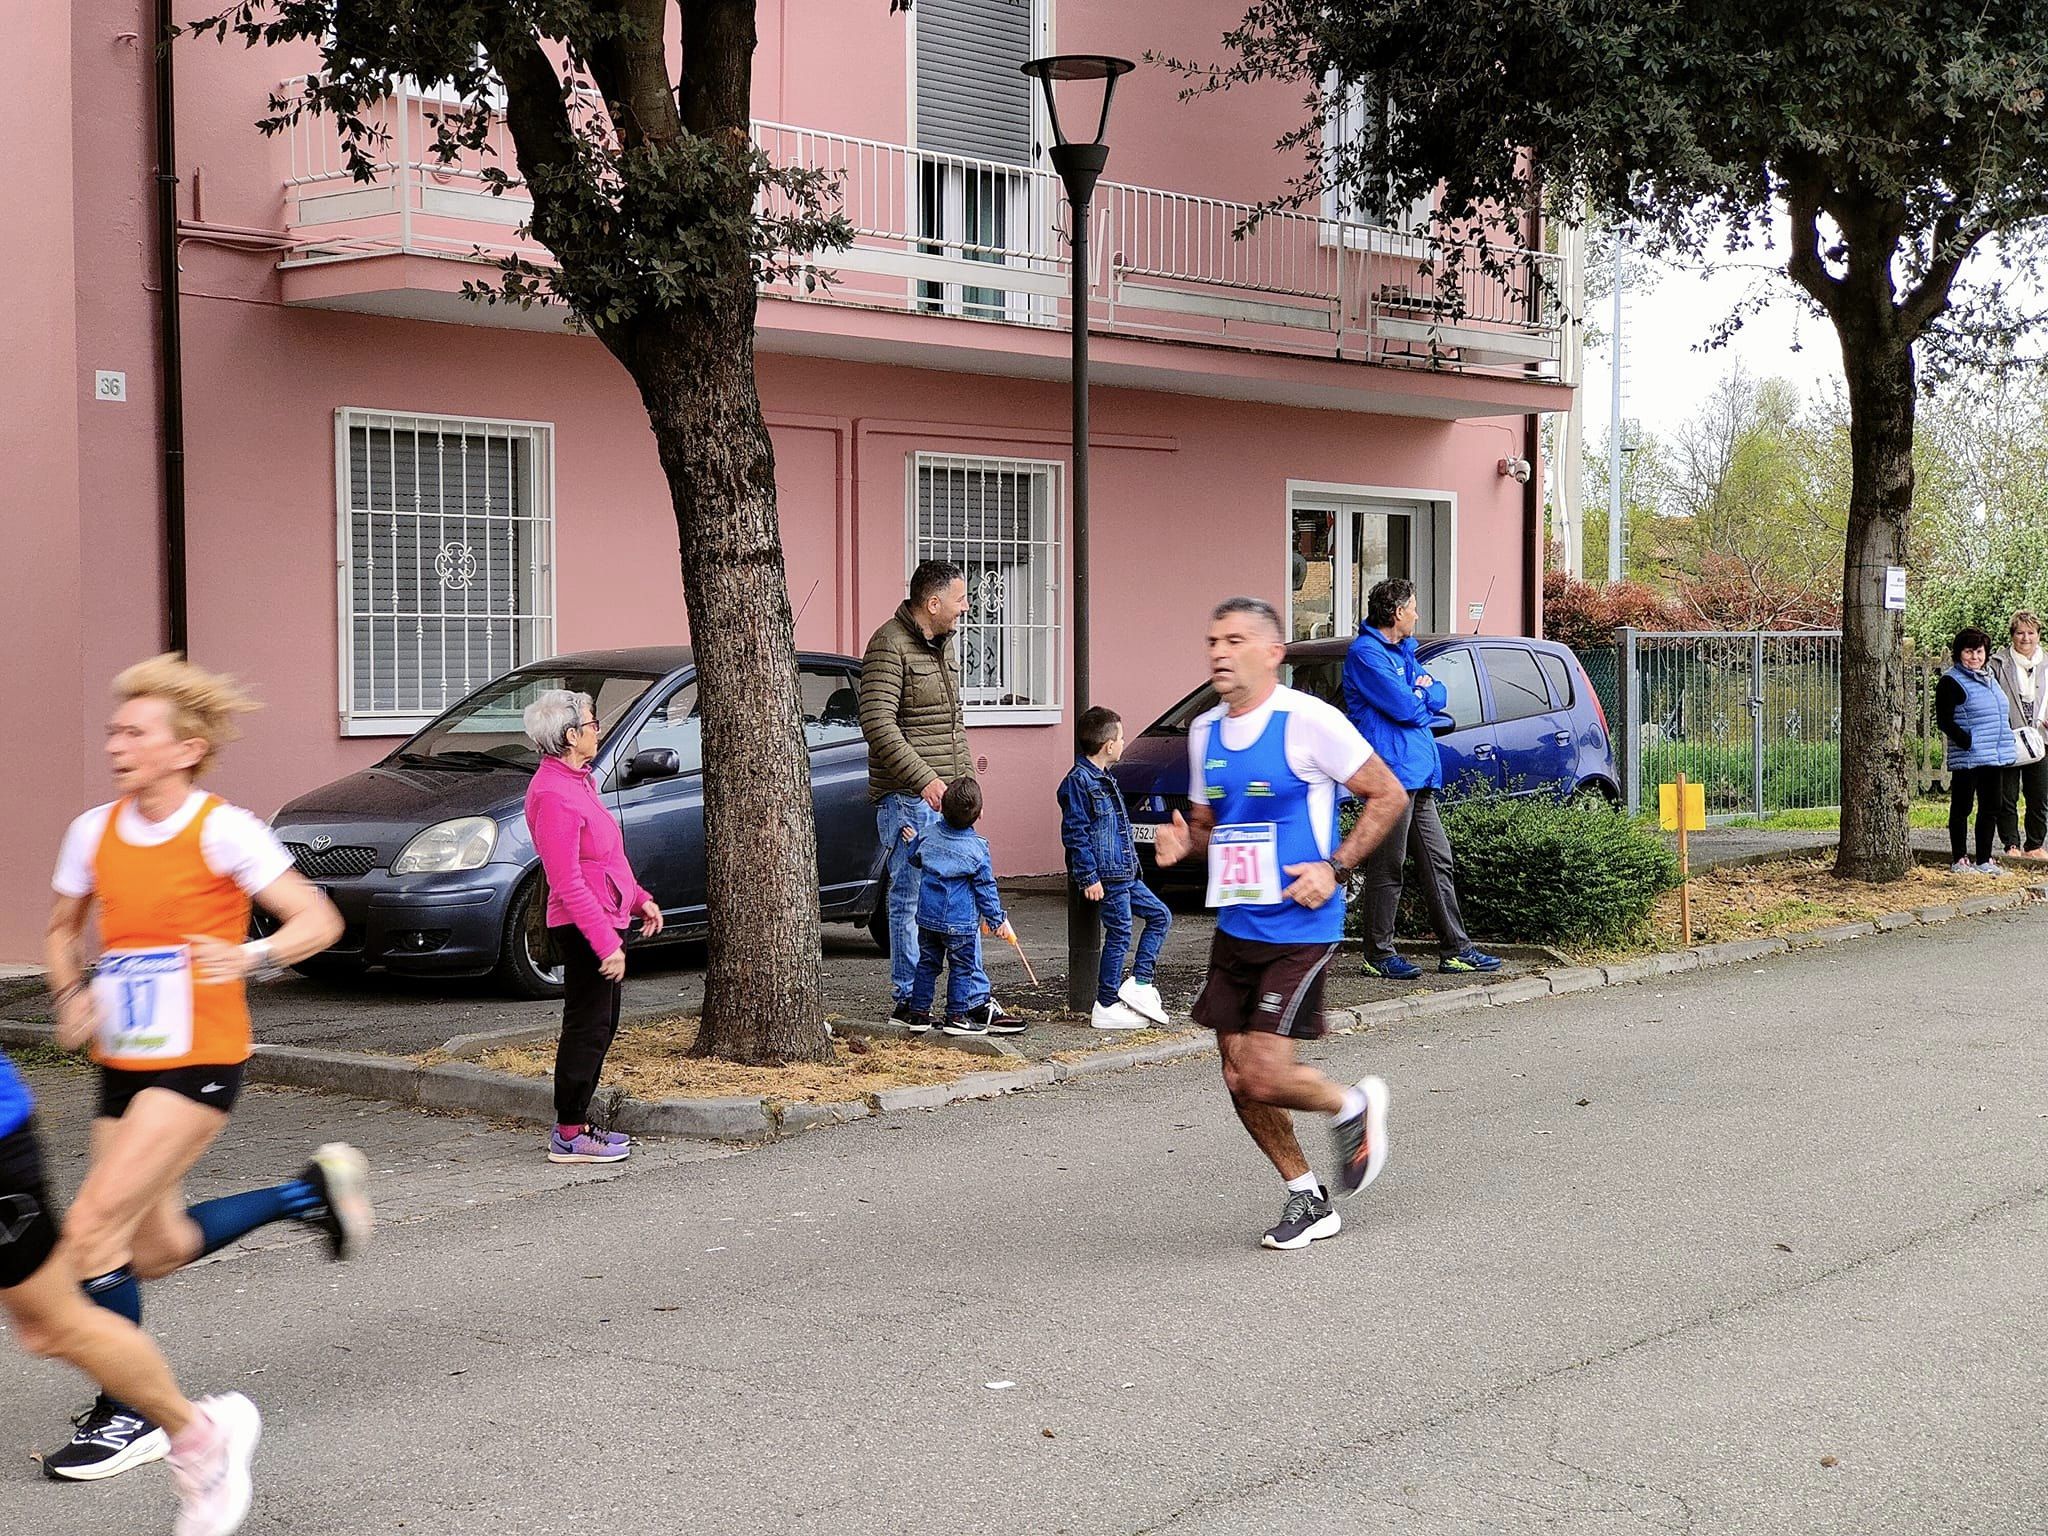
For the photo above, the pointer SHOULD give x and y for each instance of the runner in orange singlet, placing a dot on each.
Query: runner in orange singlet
(173, 872)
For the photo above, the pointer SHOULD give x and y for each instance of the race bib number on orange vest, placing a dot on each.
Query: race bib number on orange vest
(144, 997)
(1244, 865)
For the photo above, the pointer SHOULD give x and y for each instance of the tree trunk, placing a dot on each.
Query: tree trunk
(762, 995)
(1876, 842)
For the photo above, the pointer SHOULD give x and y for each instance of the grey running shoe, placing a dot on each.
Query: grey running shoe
(1308, 1216)
(1362, 1140)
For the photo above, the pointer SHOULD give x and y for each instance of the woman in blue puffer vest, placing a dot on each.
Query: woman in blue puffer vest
(1976, 716)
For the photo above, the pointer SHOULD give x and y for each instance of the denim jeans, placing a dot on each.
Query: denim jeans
(893, 815)
(966, 983)
(1120, 900)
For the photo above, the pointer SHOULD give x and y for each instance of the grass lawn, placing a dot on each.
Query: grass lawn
(1931, 814)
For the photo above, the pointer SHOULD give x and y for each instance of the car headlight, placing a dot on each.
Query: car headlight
(465, 843)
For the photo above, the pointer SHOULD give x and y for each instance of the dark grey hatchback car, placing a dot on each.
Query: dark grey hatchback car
(427, 853)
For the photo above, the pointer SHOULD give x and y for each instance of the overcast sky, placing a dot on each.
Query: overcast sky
(1668, 316)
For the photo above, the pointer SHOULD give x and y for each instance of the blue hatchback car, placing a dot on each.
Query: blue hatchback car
(1521, 718)
(427, 853)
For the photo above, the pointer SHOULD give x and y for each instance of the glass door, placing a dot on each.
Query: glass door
(1340, 552)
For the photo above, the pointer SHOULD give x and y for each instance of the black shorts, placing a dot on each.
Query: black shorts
(28, 1221)
(1275, 988)
(215, 1087)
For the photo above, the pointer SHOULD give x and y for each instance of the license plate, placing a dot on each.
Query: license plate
(1144, 831)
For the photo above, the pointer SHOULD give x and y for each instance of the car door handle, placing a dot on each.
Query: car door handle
(1484, 749)
(1562, 738)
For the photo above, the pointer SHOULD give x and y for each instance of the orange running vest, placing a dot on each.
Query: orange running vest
(154, 1011)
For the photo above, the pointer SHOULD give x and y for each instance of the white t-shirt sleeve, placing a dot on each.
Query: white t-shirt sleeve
(1321, 739)
(238, 846)
(74, 876)
(1198, 752)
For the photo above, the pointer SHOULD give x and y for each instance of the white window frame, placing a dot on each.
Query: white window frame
(1341, 223)
(540, 479)
(1048, 554)
(1433, 540)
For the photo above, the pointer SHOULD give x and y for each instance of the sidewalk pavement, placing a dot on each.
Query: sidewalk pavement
(400, 1016)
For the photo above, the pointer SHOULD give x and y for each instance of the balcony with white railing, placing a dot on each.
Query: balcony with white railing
(979, 241)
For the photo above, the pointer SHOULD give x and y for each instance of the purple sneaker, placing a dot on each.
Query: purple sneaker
(587, 1146)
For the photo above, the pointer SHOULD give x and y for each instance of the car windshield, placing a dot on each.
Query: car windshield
(1322, 676)
(485, 729)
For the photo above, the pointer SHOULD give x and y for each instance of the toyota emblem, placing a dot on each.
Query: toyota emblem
(321, 844)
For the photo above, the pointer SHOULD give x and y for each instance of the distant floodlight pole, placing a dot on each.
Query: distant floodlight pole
(1080, 167)
(1614, 498)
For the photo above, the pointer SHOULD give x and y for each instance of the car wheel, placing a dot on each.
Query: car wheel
(878, 919)
(527, 963)
(1595, 792)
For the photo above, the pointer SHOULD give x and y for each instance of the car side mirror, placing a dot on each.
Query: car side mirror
(654, 763)
(1442, 725)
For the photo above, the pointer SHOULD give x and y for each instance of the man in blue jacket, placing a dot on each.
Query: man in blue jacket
(1391, 700)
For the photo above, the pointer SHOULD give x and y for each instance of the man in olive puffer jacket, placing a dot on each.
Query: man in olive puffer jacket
(917, 741)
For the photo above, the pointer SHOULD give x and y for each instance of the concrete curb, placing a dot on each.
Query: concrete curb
(464, 1087)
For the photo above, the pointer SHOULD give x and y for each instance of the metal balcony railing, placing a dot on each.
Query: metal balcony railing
(983, 240)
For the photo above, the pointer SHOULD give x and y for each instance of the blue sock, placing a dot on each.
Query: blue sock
(234, 1217)
(117, 1291)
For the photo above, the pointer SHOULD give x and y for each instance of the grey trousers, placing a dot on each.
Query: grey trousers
(1417, 835)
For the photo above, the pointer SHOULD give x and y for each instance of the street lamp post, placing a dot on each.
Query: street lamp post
(1080, 167)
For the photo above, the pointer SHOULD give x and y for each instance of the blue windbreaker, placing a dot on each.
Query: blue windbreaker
(1382, 700)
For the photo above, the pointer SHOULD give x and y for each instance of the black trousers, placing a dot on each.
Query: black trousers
(1986, 789)
(590, 1017)
(2032, 781)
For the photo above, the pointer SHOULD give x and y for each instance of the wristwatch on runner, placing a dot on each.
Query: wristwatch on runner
(1343, 872)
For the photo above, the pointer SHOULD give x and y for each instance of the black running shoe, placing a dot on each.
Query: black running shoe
(108, 1438)
(1308, 1216)
(903, 1013)
(998, 1021)
(1362, 1140)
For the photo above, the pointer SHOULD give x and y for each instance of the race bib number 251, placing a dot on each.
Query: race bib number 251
(144, 998)
(1244, 865)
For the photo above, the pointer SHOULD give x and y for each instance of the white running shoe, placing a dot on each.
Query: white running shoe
(341, 1174)
(1116, 1016)
(1142, 997)
(214, 1488)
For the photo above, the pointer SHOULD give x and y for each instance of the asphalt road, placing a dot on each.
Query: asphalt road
(1755, 1250)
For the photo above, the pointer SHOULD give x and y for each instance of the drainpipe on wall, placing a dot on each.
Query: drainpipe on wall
(1532, 488)
(170, 356)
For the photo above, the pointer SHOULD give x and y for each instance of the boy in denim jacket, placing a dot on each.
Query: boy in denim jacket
(956, 894)
(1102, 859)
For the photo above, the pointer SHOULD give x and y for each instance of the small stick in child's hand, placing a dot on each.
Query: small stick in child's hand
(1012, 936)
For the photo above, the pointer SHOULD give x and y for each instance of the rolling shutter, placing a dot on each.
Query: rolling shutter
(972, 97)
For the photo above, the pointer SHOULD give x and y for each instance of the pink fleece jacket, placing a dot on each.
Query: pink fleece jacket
(583, 851)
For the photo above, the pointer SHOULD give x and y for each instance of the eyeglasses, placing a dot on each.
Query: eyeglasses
(587, 725)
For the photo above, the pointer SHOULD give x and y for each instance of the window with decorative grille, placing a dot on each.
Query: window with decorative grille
(447, 560)
(997, 519)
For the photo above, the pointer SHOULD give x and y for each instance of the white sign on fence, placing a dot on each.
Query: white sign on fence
(1895, 587)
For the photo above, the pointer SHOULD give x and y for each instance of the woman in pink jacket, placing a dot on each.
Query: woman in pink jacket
(592, 897)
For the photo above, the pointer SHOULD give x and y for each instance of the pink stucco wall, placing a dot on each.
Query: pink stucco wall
(1190, 491)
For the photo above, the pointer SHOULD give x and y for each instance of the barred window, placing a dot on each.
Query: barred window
(997, 519)
(447, 561)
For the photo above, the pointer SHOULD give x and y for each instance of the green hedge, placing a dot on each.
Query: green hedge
(1533, 870)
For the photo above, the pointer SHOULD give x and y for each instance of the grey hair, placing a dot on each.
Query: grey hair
(1253, 605)
(552, 716)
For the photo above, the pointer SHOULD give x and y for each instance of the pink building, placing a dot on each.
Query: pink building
(394, 493)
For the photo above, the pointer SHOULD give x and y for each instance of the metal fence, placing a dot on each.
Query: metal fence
(1752, 716)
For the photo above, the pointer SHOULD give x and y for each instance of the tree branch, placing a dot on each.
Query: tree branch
(630, 65)
(1929, 297)
(1802, 201)
(716, 89)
